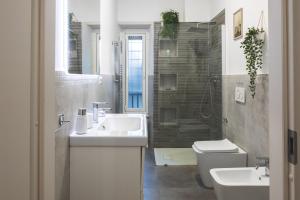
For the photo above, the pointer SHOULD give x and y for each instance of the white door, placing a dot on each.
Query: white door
(135, 73)
(294, 99)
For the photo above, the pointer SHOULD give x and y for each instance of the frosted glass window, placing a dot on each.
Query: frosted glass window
(135, 72)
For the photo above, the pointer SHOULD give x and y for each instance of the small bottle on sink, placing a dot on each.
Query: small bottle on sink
(81, 122)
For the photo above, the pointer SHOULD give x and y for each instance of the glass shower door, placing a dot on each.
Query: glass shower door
(187, 85)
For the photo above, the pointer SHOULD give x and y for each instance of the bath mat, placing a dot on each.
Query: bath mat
(174, 156)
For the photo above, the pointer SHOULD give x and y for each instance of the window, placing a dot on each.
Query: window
(135, 73)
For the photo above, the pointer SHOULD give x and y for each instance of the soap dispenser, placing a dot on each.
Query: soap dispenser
(81, 122)
(95, 111)
(96, 108)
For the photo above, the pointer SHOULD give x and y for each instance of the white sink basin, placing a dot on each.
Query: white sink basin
(241, 183)
(122, 123)
(115, 130)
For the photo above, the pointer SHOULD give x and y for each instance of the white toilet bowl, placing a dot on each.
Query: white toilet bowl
(217, 154)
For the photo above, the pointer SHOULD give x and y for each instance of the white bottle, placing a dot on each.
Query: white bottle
(81, 122)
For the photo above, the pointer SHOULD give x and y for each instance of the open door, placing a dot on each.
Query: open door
(294, 99)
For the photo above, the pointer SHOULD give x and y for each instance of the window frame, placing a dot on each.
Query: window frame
(145, 78)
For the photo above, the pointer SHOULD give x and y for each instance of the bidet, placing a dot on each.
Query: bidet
(246, 183)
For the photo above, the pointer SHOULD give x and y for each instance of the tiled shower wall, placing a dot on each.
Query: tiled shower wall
(184, 115)
(247, 124)
(215, 80)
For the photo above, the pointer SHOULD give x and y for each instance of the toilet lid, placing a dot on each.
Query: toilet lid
(216, 146)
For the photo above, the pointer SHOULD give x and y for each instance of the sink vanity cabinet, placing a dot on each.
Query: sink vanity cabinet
(107, 163)
(107, 173)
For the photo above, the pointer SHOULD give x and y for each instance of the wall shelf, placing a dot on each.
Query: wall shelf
(168, 116)
(168, 48)
(168, 82)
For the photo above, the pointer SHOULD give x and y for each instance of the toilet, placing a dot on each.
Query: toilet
(217, 154)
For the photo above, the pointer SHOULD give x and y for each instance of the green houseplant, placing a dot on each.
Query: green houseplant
(170, 20)
(253, 49)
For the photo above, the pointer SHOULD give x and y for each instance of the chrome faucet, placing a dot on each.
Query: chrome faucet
(263, 162)
(103, 111)
(97, 109)
(61, 119)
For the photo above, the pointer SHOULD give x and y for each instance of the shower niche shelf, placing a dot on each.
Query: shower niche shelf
(168, 48)
(168, 82)
(168, 116)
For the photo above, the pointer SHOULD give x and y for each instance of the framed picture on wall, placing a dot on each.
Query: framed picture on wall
(238, 24)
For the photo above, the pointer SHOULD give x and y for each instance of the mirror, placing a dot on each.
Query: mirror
(83, 37)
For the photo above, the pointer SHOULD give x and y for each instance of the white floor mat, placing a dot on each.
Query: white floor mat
(175, 156)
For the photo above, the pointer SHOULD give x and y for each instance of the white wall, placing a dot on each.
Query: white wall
(216, 7)
(198, 10)
(147, 11)
(205, 10)
(235, 59)
(109, 33)
(85, 10)
(15, 88)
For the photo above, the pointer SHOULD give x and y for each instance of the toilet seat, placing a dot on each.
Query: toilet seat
(216, 146)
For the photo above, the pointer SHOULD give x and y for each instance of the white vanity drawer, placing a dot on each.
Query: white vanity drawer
(107, 173)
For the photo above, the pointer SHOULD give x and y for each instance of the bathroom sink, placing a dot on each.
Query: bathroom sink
(123, 124)
(241, 183)
(115, 130)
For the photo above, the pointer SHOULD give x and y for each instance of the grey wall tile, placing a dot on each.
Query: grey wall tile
(72, 94)
(247, 123)
(198, 67)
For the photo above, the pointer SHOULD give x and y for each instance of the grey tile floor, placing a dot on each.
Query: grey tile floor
(173, 182)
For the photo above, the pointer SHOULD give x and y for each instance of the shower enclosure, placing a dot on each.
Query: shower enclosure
(187, 85)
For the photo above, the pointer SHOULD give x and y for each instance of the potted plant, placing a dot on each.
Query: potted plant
(253, 49)
(170, 20)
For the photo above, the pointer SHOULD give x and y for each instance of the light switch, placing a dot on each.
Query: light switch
(240, 94)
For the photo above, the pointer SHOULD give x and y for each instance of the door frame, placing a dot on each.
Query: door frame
(35, 99)
(293, 89)
(46, 100)
(278, 99)
(278, 106)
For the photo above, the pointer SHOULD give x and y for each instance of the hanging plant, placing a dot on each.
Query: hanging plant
(253, 49)
(170, 20)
